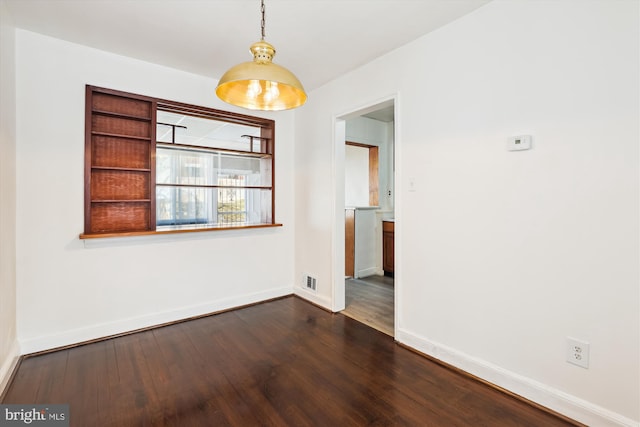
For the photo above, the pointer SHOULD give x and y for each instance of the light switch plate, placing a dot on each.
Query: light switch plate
(518, 143)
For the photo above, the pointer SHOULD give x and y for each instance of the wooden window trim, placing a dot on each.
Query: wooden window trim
(147, 174)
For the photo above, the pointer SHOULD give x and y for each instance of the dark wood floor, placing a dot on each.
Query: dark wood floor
(370, 300)
(281, 363)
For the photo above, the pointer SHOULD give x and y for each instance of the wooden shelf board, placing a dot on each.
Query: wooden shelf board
(121, 115)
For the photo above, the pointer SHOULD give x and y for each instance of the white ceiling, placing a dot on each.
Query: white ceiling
(318, 40)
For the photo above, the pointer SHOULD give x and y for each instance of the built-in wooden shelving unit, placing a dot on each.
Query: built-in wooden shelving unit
(119, 146)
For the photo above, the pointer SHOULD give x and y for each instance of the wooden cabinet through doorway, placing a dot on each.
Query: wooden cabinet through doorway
(388, 230)
(349, 242)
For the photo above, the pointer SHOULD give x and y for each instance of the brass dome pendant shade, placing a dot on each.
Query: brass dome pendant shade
(260, 84)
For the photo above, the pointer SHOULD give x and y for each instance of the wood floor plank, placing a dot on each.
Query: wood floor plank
(82, 382)
(40, 378)
(280, 363)
(131, 396)
(185, 402)
(305, 368)
(226, 379)
(370, 300)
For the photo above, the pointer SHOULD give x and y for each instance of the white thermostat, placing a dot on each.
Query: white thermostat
(517, 143)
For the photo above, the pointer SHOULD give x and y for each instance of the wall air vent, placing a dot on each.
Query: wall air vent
(309, 282)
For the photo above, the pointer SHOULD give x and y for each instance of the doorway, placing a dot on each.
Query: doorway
(361, 193)
(367, 140)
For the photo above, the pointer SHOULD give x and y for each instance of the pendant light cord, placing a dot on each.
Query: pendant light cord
(262, 22)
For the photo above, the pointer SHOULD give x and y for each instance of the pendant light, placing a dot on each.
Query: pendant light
(260, 84)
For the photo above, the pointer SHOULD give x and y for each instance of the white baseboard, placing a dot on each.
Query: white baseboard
(9, 365)
(366, 272)
(556, 400)
(93, 332)
(313, 297)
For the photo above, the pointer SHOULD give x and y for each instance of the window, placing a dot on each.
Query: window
(199, 182)
(158, 166)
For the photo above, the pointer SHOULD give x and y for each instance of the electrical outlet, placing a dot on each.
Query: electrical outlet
(578, 352)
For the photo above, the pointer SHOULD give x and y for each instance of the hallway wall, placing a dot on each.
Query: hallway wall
(9, 349)
(496, 247)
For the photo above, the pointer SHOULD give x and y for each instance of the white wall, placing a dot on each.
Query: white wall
(367, 235)
(356, 176)
(71, 290)
(9, 349)
(380, 134)
(502, 255)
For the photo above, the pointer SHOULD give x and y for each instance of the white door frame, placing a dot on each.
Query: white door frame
(338, 261)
